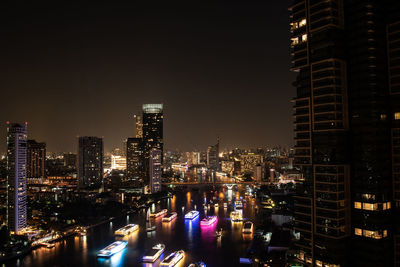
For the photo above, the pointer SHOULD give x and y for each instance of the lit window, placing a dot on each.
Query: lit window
(301, 256)
(295, 40)
(384, 233)
(368, 233)
(357, 205)
(304, 38)
(370, 206)
(302, 22)
(357, 231)
(383, 117)
(397, 115)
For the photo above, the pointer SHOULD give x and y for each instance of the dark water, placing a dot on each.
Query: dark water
(199, 243)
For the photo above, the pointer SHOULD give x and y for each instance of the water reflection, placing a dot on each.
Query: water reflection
(199, 243)
(115, 260)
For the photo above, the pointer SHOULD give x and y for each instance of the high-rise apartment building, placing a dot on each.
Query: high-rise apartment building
(36, 158)
(155, 170)
(345, 130)
(134, 159)
(152, 132)
(16, 176)
(90, 161)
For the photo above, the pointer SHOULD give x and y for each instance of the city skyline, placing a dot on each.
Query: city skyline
(86, 85)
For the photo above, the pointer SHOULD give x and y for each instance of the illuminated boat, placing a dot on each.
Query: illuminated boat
(127, 229)
(247, 228)
(238, 204)
(169, 217)
(192, 214)
(158, 214)
(173, 258)
(216, 205)
(154, 253)
(236, 216)
(110, 250)
(208, 220)
(225, 205)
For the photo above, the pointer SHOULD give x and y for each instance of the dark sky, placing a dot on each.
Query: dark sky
(219, 68)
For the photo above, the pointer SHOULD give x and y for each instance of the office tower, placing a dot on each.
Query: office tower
(134, 159)
(155, 170)
(16, 176)
(152, 132)
(343, 131)
(138, 133)
(90, 162)
(213, 157)
(36, 158)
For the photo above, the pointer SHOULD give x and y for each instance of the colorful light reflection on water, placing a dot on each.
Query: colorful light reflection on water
(200, 243)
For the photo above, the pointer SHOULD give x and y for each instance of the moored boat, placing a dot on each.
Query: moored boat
(126, 230)
(173, 258)
(247, 227)
(154, 253)
(169, 217)
(158, 214)
(236, 216)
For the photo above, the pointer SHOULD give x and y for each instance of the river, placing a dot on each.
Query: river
(199, 243)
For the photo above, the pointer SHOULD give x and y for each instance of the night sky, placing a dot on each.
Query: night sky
(220, 70)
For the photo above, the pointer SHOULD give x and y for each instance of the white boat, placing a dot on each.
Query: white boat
(173, 258)
(247, 228)
(127, 229)
(236, 216)
(216, 205)
(192, 214)
(154, 253)
(169, 217)
(110, 250)
(225, 205)
(158, 214)
(209, 220)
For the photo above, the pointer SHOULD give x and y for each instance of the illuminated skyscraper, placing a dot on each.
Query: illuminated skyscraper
(16, 176)
(134, 159)
(152, 132)
(36, 159)
(138, 126)
(155, 170)
(213, 157)
(345, 130)
(90, 161)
